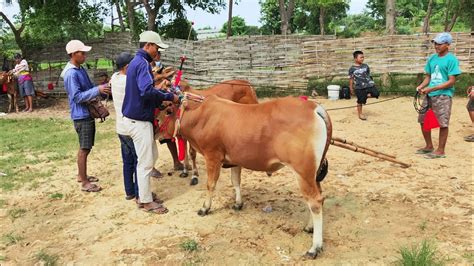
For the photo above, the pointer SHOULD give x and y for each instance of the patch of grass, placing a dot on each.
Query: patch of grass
(56, 196)
(2, 203)
(3, 258)
(189, 245)
(419, 255)
(47, 259)
(11, 239)
(423, 225)
(54, 140)
(469, 257)
(16, 213)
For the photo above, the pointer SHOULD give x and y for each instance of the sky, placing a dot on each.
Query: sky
(248, 9)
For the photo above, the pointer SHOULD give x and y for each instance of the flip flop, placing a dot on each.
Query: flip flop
(363, 117)
(155, 199)
(160, 209)
(469, 138)
(434, 156)
(423, 151)
(90, 178)
(156, 174)
(91, 188)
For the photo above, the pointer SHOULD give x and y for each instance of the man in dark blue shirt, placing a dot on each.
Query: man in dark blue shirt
(80, 90)
(141, 98)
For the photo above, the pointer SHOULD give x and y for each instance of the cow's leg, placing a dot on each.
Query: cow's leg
(314, 199)
(10, 102)
(15, 96)
(309, 227)
(194, 178)
(235, 173)
(213, 170)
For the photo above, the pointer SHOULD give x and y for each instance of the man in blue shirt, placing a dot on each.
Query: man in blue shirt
(80, 90)
(141, 98)
(441, 70)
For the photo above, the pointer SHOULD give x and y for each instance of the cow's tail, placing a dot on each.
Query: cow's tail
(324, 126)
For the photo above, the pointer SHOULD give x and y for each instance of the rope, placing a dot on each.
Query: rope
(418, 103)
(352, 106)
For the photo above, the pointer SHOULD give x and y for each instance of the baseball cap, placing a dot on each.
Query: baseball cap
(152, 37)
(443, 37)
(123, 59)
(76, 46)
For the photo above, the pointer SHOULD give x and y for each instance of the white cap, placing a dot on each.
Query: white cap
(152, 37)
(77, 46)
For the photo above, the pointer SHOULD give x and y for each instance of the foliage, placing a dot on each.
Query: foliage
(239, 27)
(354, 25)
(178, 28)
(47, 259)
(419, 255)
(189, 245)
(306, 16)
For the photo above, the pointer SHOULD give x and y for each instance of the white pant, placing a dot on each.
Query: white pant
(147, 153)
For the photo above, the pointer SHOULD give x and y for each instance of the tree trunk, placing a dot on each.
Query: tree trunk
(119, 12)
(426, 22)
(321, 20)
(390, 13)
(286, 14)
(446, 15)
(229, 20)
(17, 33)
(151, 14)
(451, 24)
(131, 16)
(284, 19)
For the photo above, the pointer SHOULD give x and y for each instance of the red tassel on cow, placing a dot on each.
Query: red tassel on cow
(430, 121)
(181, 148)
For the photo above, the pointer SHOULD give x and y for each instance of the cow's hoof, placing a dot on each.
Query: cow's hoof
(308, 230)
(203, 212)
(194, 181)
(313, 255)
(170, 173)
(238, 207)
(183, 175)
(269, 174)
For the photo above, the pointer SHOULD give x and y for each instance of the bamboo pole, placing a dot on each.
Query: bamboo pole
(365, 151)
(357, 145)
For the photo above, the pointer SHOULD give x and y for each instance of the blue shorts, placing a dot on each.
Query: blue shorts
(27, 88)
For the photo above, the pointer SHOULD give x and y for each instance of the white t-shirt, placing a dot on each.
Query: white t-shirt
(117, 82)
(22, 66)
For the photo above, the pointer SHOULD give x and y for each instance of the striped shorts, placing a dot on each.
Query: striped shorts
(85, 129)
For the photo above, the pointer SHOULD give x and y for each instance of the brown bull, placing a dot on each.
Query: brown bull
(239, 91)
(11, 83)
(263, 137)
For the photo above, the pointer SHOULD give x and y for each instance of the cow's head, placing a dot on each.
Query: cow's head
(166, 120)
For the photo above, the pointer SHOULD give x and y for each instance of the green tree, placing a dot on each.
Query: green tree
(238, 26)
(179, 28)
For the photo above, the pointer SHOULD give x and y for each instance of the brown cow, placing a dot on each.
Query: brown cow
(263, 137)
(239, 91)
(8, 79)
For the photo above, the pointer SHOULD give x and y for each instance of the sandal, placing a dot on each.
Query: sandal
(159, 209)
(424, 151)
(90, 178)
(434, 156)
(156, 174)
(155, 199)
(362, 117)
(91, 188)
(469, 138)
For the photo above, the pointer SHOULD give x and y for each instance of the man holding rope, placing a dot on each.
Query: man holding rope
(441, 70)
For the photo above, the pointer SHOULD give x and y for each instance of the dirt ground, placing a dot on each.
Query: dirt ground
(372, 207)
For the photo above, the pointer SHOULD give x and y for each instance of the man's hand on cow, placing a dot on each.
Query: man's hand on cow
(104, 89)
(164, 85)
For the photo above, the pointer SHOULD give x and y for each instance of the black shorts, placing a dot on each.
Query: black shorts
(85, 129)
(362, 94)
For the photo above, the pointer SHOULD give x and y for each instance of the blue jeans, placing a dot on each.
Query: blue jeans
(129, 158)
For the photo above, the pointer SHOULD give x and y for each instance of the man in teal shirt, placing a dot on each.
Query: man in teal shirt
(441, 70)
